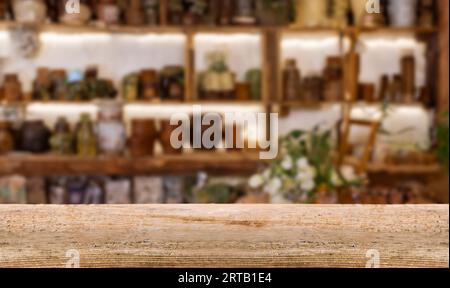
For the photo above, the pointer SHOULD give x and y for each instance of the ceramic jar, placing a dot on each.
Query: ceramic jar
(75, 19)
(244, 12)
(143, 137)
(12, 88)
(108, 12)
(35, 137)
(42, 85)
(134, 14)
(243, 92)
(311, 13)
(30, 11)
(402, 13)
(291, 81)
(61, 141)
(148, 190)
(111, 132)
(6, 139)
(171, 83)
(118, 191)
(86, 140)
(148, 84)
(273, 12)
(164, 137)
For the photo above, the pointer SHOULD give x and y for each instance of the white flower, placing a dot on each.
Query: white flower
(306, 174)
(335, 179)
(308, 185)
(287, 163)
(348, 173)
(266, 174)
(302, 163)
(273, 187)
(256, 181)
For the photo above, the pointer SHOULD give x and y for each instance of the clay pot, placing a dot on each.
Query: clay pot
(243, 92)
(134, 14)
(35, 137)
(6, 140)
(367, 92)
(12, 88)
(108, 12)
(143, 137)
(164, 138)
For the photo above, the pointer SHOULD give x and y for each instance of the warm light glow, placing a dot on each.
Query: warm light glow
(310, 41)
(392, 42)
(161, 111)
(235, 38)
(53, 37)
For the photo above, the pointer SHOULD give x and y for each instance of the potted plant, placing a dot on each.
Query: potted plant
(305, 171)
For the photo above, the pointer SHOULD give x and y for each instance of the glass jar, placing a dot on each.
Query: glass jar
(62, 140)
(111, 134)
(86, 140)
(30, 11)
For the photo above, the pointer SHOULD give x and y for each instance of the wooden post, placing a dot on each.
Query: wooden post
(443, 61)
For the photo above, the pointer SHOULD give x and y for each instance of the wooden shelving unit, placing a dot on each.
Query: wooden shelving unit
(271, 94)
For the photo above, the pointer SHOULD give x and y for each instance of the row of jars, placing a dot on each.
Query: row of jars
(363, 13)
(105, 136)
(75, 85)
(325, 87)
(400, 13)
(107, 12)
(147, 12)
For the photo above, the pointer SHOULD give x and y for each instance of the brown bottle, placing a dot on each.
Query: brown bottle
(291, 81)
(143, 136)
(6, 140)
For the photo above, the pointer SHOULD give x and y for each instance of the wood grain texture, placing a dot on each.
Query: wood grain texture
(224, 235)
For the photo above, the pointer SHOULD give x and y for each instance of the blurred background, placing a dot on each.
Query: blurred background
(87, 88)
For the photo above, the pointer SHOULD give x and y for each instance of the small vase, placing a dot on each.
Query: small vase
(402, 13)
(30, 11)
(311, 13)
(35, 137)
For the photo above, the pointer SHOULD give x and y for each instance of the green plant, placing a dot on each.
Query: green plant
(305, 167)
(442, 139)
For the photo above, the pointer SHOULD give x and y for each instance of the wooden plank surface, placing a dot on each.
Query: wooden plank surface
(224, 235)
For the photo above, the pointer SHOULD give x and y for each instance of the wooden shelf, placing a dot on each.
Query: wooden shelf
(236, 163)
(61, 28)
(404, 169)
